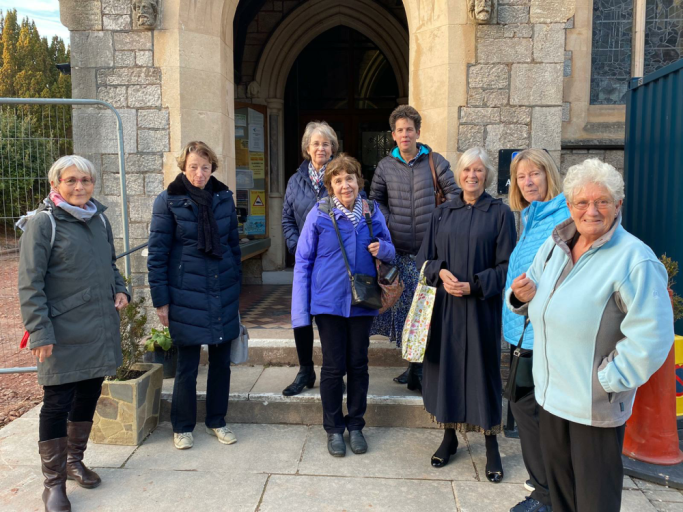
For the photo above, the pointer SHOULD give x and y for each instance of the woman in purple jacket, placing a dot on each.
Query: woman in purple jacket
(322, 289)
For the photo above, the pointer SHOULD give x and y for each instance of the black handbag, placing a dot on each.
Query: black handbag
(521, 379)
(365, 292)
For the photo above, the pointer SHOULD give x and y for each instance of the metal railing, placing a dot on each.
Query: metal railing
(33, 134)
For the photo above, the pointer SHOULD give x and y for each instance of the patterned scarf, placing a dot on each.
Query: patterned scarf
(354, 216)
(316, 176)
(83, 214)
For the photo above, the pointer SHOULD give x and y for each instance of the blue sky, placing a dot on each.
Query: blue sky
(44, 12)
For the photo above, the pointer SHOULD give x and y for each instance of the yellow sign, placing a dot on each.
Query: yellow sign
(258, 202)
(242, 153)
(257, 164)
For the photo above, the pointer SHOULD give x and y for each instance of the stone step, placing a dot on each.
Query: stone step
(256, 397)
(275, 347)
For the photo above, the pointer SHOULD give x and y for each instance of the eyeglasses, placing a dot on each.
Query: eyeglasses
(71, 182)
(600, 204)
(324, 145)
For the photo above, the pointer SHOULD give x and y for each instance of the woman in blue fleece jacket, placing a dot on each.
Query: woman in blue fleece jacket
(597, 298)
(535, 189)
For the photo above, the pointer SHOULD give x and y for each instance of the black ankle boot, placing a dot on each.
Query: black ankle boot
(448, 447)
(415, 377)
(403, 378)
(304, 379)
(494, 466)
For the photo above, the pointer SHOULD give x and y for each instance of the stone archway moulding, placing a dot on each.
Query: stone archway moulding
(317, 16)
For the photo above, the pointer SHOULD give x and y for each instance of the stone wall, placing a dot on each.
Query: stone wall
(614, 157)
(113, 63)
(515, 85)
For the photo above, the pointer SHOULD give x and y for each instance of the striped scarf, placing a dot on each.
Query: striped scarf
(316, 176)
(354, 216)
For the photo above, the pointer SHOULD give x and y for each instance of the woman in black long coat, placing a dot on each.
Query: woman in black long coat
(466, 252)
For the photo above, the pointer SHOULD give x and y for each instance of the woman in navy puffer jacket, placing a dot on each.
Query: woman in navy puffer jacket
(322, 289)
(534, 189)
(304, 189)
(194, 278)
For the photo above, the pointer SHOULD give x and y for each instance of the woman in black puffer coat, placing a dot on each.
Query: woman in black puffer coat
(304, 189)
(195, 278)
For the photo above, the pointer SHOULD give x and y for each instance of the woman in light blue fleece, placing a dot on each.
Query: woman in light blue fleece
(603, 324)
(535, 186)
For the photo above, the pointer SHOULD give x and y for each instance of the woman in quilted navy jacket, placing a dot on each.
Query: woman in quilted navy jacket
(534, 189)
(304, 189)
(195, 277)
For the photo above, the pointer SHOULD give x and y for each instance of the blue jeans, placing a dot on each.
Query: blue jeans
(184, 404)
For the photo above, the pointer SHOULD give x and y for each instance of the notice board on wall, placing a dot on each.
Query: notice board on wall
(251, 162)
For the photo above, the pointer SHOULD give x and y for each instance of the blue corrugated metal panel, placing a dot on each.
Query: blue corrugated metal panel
(653, 164)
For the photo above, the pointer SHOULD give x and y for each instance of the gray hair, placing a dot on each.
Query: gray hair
(62, 164)
(322, 128)
(468, 158)
(593, 171)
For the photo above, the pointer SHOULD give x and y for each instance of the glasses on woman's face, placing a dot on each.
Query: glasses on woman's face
(71, 182)
(324, 145)
(600, 204)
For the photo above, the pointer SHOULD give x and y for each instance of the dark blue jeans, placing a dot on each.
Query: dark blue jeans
(344, 343)
(184, 405)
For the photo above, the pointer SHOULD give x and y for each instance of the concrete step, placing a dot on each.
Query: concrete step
(275, 347)
(256, 397)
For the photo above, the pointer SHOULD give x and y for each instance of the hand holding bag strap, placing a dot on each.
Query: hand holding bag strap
(439, 196)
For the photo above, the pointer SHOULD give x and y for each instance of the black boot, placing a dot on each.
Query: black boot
(403, 378)
(304, 379)
(415, 377)
(78, 433)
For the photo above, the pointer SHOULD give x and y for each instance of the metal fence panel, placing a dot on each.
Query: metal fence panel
(653, 163)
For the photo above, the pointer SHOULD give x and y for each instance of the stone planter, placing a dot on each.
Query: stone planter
(128, 410)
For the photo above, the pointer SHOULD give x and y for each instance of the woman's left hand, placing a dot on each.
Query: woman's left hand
(461, 288)
(121, 301)
(374, 248)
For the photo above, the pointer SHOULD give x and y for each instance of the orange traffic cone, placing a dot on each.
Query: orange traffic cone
(651, 434)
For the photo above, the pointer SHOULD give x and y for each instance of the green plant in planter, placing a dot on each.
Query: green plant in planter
(133, 322)
(671, 271)
(159, 339)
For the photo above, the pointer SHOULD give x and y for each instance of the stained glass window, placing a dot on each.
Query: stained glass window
(611, 52)
(663, 33)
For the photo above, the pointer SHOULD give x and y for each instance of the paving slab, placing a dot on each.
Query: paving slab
(666, 496)
(21, 488)
(667, 507)
(510, 454)
(179, 491)
(635, 501)
(392, 452)
(285, 493)
(479, 496)
(259, 449)
(19, 447)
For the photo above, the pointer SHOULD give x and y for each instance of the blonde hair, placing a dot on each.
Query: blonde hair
(202, 150)
(343, 163)
(542, 159)
(593, 171)
(322, 128)
(62, 164)
(468, 158)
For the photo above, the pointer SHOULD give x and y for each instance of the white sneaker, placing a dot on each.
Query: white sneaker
(224, 434)
(183, 441)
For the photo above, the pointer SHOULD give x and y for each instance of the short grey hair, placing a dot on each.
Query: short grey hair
(322, 128)
(593, 171)
(62, 164)
(468, 158)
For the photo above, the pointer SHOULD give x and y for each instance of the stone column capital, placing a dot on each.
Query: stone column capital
(276, 104)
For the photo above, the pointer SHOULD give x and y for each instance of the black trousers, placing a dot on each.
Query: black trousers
(184, 405)
(344, 343)
(526, 412)
(75, 401)
(583, 465)
(303, 338)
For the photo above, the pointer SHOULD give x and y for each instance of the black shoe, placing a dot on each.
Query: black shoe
(494, 466)
(304, 379)
(531, 505)
(449, 446)
(415, 377)
(529, 486)
(403, 378)
(336, 445)
(357, 441)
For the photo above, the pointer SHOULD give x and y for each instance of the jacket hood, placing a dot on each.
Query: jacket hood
(177, 187)
(542, 209)
(483, 203)
(422, 149)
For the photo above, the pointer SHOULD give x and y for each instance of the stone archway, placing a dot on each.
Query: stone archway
(312, 19)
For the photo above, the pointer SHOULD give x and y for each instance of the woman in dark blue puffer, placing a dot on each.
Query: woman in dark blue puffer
(304, 189)
(195, 277)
